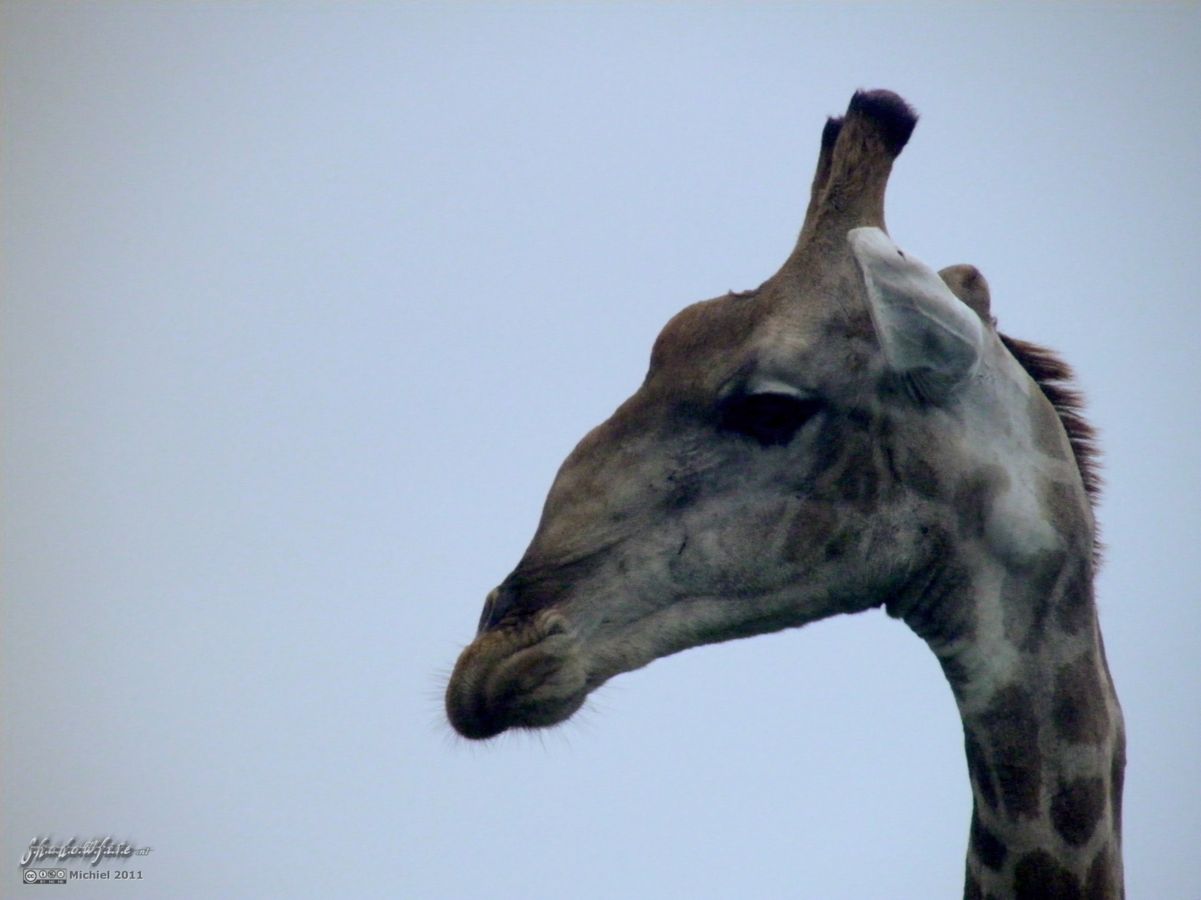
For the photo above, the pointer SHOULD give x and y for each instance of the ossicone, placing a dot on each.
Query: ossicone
(857, 151)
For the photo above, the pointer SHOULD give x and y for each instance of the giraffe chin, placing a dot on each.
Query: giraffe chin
(530, 676)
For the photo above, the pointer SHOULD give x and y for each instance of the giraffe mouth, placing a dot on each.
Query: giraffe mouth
(531, 676)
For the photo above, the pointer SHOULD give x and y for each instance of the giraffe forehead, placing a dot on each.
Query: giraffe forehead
(708, 343)
(705, 335)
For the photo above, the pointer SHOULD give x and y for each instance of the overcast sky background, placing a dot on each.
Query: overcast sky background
(303, 305)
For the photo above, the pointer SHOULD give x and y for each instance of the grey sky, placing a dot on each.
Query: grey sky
(303, 305)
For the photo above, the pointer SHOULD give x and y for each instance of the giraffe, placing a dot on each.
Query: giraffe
(853, 434)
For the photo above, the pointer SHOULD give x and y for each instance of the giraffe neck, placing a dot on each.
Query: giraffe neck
(1043, 730)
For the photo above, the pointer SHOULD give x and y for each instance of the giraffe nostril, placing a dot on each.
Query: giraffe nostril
(499, 603)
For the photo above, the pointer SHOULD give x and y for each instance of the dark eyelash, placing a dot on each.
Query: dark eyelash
(771, 419)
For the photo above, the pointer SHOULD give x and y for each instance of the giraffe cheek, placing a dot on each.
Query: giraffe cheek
(814, 535)
(739, 553)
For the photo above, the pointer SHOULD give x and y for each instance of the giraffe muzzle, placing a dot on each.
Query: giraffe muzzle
(530, 676)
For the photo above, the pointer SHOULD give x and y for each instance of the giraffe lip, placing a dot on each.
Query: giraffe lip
(528, 677)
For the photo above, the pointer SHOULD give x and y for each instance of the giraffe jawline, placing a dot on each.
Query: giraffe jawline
(527, 677)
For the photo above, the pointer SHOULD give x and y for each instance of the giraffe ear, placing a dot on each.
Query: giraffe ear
(927, 334)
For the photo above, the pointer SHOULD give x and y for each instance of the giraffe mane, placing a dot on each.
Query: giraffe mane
(1057, 381)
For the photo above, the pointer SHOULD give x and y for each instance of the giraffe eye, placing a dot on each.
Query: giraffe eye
(769, 418)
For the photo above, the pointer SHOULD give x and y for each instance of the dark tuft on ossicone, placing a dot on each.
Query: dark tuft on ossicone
(894, 117)
(830, 132)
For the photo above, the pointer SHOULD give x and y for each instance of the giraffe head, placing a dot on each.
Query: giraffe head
(853, 433)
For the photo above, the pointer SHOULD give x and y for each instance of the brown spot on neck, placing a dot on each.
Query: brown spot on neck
(986, 846)
(1028, 595)
(974, 499)
(1079, 710)
(1102, 884)
(1076, 610)
(1037, 876)
(972, 889)
(1077, 808)
(981, 775)
(1117, 779)
(1008, 735)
